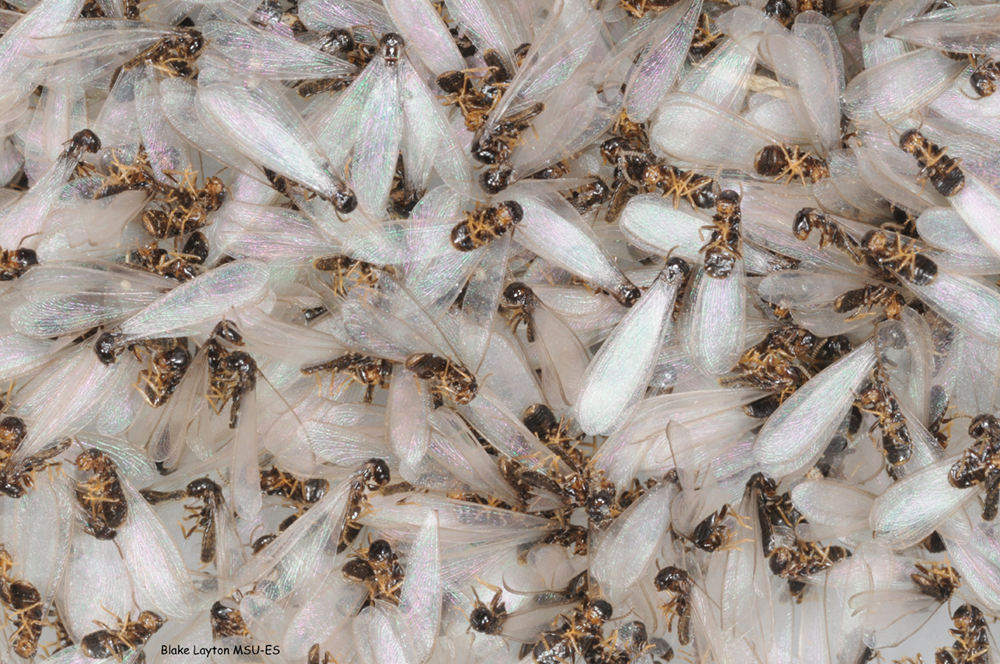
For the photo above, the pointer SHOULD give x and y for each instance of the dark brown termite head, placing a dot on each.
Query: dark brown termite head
(518, 294)
(985, 427)
(392, 46)
(496, 179)
(727, 203)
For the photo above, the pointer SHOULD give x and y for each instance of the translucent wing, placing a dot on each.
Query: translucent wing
(670, 34)
(379, 138)
(801, 66)
(428, 139)
(910, 509)
(834, 509)
(421, 594)
(699, 132)
(155, 564)
(245, 471)
(407, 410)
(802, 426)
(976, 563)
(297, 554)
(979, 206)
(498, 24)
(554, 230)
(178, 101)
(562, 357)
(426, 33)
(559, 48)
(896, 88)
(269, 234)
(618, 375)
(205, 298)
(64, 299)
(716, 320)
(625, 551)
(721, 77)
(19, 71)
(652, 223)
(971, 29)
(263, 125)
(325, 15)
(270, 55)
(965, 302)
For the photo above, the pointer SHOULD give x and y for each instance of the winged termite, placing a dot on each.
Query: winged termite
(383, 107)
(683, 114)
(617, 376)
(234, 105)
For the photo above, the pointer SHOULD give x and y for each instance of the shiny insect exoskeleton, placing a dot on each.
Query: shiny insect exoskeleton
(869, 297)
(345, 271)
(980, 463)
(553, 433)
(377, 566)
(227, 621)
(343, 199)
(984, 77)
(488, 618)
(589, 196)
(232, 374)
(341, 43)
(495, 147)
(773, 510)
(167, 362)
(477, 92)
(725, 244)
(182, 266)
(83, 141)
(17, 478)
(805, 559)
(22, 605)
(786, 358)
(808, 220)
(136, 176)
(448, 379)
(391, 47)
(936, 580)
(372, 372)
(876, 399)
(485, 225)
(677, 582)
(904, 260)
(184, 208)
(630, 162)
(276, 482)
(517, 304)
(212, 500)
(173, 55)
(972, 641)
(579, 634)
(936, 166)
(129, 635)
(782, 161)
(371, 476)
(711, 534)
(402, 199)
(15, 262)
(101, 496)
(671, 182)
(465, 89)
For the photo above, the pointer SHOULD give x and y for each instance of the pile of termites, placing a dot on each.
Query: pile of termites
(486, 331)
